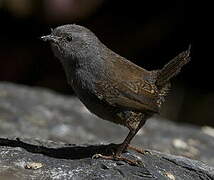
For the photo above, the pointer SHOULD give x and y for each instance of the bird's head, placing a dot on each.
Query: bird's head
(72, 42)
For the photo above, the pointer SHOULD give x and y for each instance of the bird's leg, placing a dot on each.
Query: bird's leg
(121, 148)
(124, 145)
(133, 131)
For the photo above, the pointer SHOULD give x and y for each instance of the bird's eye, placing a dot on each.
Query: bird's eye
(68, 38)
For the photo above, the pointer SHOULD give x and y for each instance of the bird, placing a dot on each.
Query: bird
(109, 85)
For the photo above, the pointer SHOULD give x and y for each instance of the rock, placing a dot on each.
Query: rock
(34, 159)
(51, 128)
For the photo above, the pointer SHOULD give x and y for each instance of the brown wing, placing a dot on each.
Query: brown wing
(136, 95)
(128, 86)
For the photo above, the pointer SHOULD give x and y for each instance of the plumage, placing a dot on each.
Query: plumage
(110, 86)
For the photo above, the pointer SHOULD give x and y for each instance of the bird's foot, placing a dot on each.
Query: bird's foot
(118, 158)
(138, 150)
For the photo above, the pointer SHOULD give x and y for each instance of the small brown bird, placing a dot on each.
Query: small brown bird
(109, 85)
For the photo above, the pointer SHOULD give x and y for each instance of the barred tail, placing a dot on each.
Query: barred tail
(173, 67)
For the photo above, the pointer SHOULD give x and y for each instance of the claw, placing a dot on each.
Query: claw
(141, 151)
(118, 158)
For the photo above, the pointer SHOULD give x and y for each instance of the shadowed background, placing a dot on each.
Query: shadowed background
(148, 33)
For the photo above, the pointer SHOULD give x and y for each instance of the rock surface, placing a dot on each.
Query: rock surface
(43, 120)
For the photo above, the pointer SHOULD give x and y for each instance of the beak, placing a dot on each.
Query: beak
(50, 38)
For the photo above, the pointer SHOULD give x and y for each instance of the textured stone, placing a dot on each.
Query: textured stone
(47, 123)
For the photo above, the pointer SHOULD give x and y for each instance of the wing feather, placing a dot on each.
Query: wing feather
(136, 95)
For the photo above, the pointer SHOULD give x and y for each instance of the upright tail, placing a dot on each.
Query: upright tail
(172, 68)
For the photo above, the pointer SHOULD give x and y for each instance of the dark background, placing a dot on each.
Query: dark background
(149, 33)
